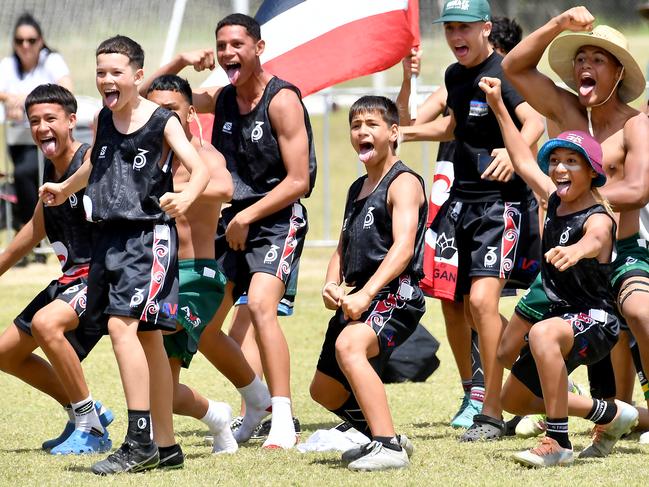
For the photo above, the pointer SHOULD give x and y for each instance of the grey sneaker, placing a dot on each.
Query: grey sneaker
(357, 452)
(605, 436)
(130, 457)
(377, 457)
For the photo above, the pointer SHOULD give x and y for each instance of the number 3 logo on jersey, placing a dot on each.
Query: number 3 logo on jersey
(257, 132)
(139, 161)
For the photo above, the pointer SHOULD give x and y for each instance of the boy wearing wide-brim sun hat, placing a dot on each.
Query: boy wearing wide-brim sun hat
(600, 68)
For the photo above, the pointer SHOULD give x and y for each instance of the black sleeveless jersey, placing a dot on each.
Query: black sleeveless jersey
(128, 174)
(586, 284)
(367, 230)
(65, 225)
(249, 143)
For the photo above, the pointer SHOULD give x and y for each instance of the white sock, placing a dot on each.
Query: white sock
(258, 402)
(217, 418)
(282, 429)
(85, 416)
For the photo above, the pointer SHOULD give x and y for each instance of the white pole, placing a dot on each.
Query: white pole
(241, 6)
(174, 31)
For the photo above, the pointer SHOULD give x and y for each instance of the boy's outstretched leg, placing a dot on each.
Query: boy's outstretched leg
(49, 326)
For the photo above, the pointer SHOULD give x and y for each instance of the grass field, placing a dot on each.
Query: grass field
(422, 411)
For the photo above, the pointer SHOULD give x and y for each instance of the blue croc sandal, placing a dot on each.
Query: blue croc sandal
(81, 442)
(67, 431)
(105, 419)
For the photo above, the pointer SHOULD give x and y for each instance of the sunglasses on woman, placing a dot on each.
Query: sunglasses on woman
(29, 40)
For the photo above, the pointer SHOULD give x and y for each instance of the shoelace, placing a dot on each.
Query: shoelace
(548, 446)
(598, 431)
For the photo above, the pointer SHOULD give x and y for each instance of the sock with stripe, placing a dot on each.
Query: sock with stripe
(86, 418)
(602, 412)
(558, 430)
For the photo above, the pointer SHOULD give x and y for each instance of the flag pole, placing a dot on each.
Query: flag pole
(413, 16)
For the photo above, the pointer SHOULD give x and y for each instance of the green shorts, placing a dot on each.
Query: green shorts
(201, 291)
(632, 260)
(534, 304)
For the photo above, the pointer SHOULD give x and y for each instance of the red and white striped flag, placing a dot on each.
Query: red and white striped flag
(318, 43)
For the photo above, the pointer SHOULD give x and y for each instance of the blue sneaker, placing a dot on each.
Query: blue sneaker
(105, 419)
(465, 418)
(463, 405)
(81, 442)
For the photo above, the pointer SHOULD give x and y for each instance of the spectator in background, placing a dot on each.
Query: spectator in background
(32, 63)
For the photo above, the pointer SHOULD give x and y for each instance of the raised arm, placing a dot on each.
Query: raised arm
(203, 99)
(519, 151)
(405, 196)
(632, 191)
(520, 64)
(440, 130)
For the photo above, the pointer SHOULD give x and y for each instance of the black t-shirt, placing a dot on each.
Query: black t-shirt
(477, 132)
(65, 225)
(249, 143)
(367, 230)
(585, 285)
(128, 174)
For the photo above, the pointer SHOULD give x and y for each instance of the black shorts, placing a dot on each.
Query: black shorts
(74, 294)
(475, 239)
(595, 332)
(134, 273)
(274, 246)
(393, 315)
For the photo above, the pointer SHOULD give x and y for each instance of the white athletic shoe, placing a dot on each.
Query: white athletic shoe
(605, 436)
(548, 454)
(644, 438)
(531, 425)
(380, 458)
(358, 451)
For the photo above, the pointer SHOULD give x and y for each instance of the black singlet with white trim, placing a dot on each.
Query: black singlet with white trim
(585, 285)
(249, 143)
(65, 225)
(367, 230)
(128, 174)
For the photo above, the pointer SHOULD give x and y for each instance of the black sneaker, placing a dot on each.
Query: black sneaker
(171, 458)
(131, 457)
(261, 431)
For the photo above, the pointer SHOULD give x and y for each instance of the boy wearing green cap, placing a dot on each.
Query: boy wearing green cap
(491, 214)
(597, 65)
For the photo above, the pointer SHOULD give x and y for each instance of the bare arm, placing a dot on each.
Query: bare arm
(25, 240)
(203, 99)
(332, 293)
(520, 65)
(411, 65)
(406, 197)
(219, 188)
(518, 148)
(440, 130)
(596, 242)
(175, 204)
(56, 193)
(632, 192)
